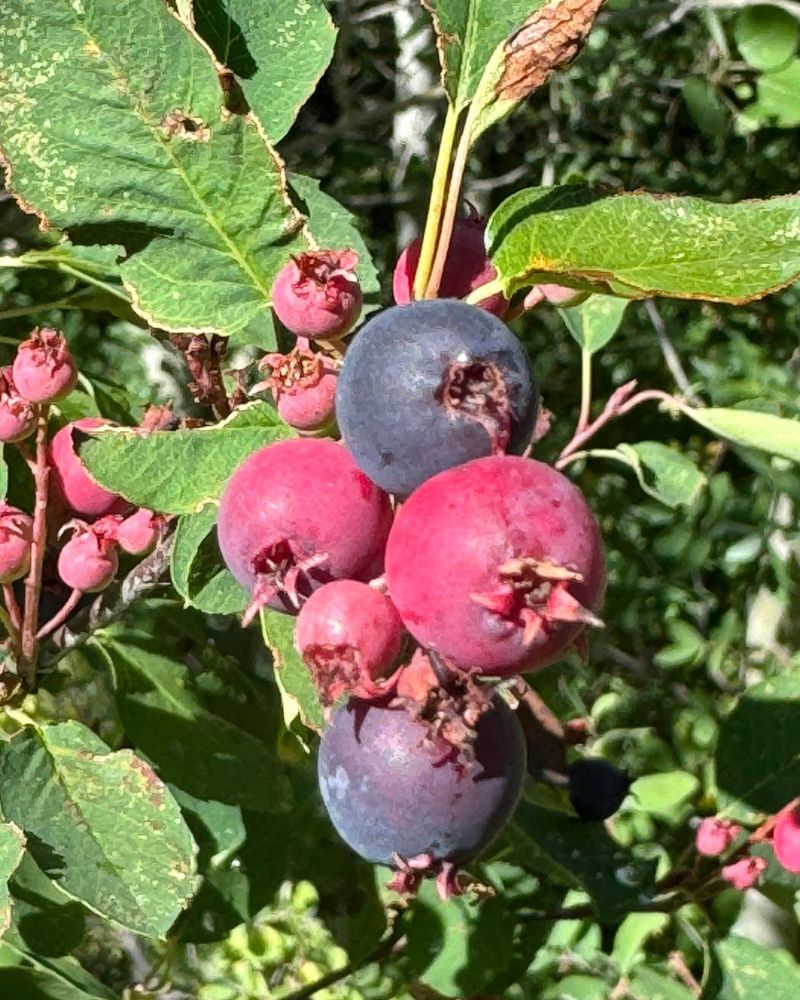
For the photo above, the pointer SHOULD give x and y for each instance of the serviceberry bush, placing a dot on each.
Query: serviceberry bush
(398, 500)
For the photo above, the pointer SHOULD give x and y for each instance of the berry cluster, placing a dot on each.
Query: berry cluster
(99, 524)
(424, 556)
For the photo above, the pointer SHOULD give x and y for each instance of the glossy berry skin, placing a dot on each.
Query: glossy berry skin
(16, 530)
(137, 534)
(72, 482)
(431, 385)
(298, 514)
(318, 295)
(497, 565)
(44, 370)
(467, 267)
(786, 840)
(391, 790)
(17, 417)
(596, 788)
(349, 634)
(303, 385)
(88, 562)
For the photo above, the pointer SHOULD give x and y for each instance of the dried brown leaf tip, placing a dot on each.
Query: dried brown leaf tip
(551, 36)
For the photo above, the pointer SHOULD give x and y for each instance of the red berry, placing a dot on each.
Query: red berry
(786, 840)
(467, 267)
(298, 514)
(71, 480)
(16, 531)
(303, 384)
(349, 634)
(88, 562)
(745, 873)
(715, 835)
(44, 369)
(318, 295)
(17, 418)
(496, 564)
(137, 535)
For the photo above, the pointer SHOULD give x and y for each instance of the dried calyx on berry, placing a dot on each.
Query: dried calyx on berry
(89, 561)
(303, 385)
(44, 370)
(317, 294)
(16, 532)
(17, 416)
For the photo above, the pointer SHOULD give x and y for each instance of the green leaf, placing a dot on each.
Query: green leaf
(706, 107)
(549, 38)
(46, 920)
(647, 984)
(139, 149)
(631, 937)
(664, 794)
(594, 322)
(89, 263)
(293, 675)
(100, 823)
(177, 472)
(278, 51)
(638, 244)
(751, 429)
(197, 571)
(12, 848)
(767, 36)
(777, 95)
(663, 473)
(24, 983)
(467, 34)
(749, 971)
(187, 725)
(758, 751)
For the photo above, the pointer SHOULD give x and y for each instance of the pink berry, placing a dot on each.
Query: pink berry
(17, 418)
(349, 635)
(298, 514)
(44, 369)
(71, 480)
(137, 535)
(303, 385)
(497, 565)
(467, 267)
(16, 530)
(745, 873)
(715, 835)
(317, 294)
(88, 562)
(555, 295)
(786, 840)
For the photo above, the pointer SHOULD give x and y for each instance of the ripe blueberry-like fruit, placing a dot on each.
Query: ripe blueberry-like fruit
(596, 788)
(786, 840)
(431, 385)
(303, 385)
(16, 530)
(715, 835)
(317, 294)
(17, 418)
(298, 514)
(88, 562)
(72, 482)
(467, 267)
(400, 797)
(349, 634)
(44, 369)
(496, 565)
(137, 535)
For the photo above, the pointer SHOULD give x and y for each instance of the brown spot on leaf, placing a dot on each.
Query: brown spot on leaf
(188, 127)
(551, 37)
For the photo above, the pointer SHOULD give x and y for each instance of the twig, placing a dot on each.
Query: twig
(436, 204)
(109, 605)
(12, 607)
(60, 616)
(687, 6)
(670, 354)
(33, 581)
(586, 389)
(678, 965)
(544, 735)
(393, 944)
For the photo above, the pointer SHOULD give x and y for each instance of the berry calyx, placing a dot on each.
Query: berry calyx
(16, 532)
(303, 385)
(349, 635)
(496, 565)
(317, 294)
(17, 416)
(298, 514)
(72, 482)
(786, 840)
(44, 369)
(89, 561)
(138, 534)
(744, 874)
(715, 835)
(596, 788)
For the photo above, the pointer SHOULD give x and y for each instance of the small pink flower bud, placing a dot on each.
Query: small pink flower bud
(89, 562)
(317, 294)
(44, 369)
(303, 385)
(16, 531)
(17, 419)
(786, 840)
(715, 835)
(745, 873)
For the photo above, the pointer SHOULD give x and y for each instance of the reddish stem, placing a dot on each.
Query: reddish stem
(60, 616)
(12, 607)
(33, 581)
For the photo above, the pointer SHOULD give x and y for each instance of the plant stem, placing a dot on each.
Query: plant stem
(383, 950)
(33, 581)
(10, 601)
(485, 291)
(436, 203)
(60, 616)
(586, 389)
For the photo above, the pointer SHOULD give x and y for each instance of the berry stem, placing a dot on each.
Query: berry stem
(436, 203)
(60, 616)
(33, 581)
(586, 390)
(12, 607)
(485, 291)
